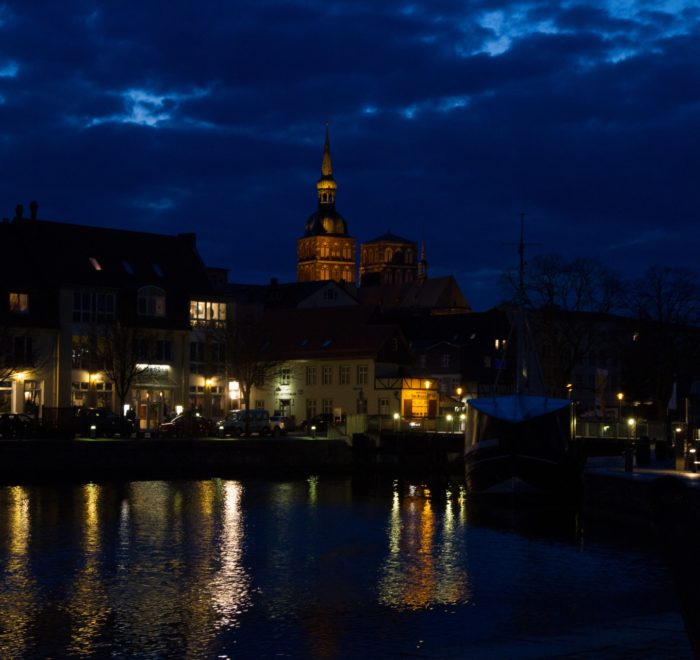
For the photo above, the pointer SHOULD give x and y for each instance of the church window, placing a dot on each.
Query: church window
(325, 274)
(325, 251)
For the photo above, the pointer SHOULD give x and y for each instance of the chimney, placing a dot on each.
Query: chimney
(34, 209)
(19, 212)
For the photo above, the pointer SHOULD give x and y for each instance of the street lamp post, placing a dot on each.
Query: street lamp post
(449, 418)
(397, 418)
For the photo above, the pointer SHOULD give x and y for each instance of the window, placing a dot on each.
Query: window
(260, 404)
(93, 306)
(207, 313)
(344, 375)
(19, 303)
(310, 408)
(151, 301)
(327, 376)
(330, 294)
(362, 374)
(285, 376)
(383, 406)
(23, 351)
(445, 360)
(310, 375)
(327, 406)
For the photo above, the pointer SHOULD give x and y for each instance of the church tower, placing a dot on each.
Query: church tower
(326, 251)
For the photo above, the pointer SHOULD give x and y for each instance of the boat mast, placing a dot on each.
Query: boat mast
(521, 375)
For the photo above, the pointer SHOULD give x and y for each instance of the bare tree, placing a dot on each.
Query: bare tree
(249, 355)
(566, 301)
(123, 353)
(665, 303)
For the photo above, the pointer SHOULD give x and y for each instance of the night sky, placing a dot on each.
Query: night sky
(446, 119)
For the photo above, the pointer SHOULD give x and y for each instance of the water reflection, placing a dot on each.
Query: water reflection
(18, 592)
(88, 604)
(315, 567)
(424, 566)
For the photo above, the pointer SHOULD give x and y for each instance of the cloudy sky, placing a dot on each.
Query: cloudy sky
(447, 119)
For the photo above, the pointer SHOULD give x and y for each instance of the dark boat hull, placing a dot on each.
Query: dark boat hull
(530, 455)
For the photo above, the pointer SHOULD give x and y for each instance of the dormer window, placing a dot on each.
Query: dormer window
(19, 303)
(95, 264)
(151, 301)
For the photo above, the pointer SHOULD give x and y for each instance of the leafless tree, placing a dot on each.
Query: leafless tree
(249, 353)
(565, 300)
(665, 303)
(123, 353)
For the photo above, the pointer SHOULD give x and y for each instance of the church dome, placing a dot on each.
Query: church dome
(326, 222)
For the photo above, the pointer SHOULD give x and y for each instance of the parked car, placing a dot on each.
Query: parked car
(16, 425)
(321, 423)
(105, 422)
(234, 423)
(278, 425)
(185, 425)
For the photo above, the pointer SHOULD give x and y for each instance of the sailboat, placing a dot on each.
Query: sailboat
(520, 442)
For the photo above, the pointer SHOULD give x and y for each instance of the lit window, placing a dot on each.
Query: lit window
(95, 264)
(207, 313)
(151, 301)
(285, 376)
(19, 303)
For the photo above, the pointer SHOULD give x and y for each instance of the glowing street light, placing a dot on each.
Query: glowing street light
(620, 396)
(449, 419)
(397, 417)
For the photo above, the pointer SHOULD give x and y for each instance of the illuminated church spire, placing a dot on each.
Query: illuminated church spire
(326, 185)
(326, 251)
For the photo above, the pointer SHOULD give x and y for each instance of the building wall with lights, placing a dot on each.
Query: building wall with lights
(67, 289)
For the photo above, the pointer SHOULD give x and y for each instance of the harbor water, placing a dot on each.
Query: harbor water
(319, 567)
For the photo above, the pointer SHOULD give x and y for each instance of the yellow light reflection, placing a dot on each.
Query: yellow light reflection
(88, 604)
(423, 566)
(17, 598)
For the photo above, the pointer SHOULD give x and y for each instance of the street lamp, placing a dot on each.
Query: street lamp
(397, 417)
(630, 423)
(449, 419)
(620, 396)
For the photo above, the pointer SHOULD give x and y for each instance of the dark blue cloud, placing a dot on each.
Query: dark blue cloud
(447, 119)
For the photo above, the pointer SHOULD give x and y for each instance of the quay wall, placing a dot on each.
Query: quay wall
(161, 458)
